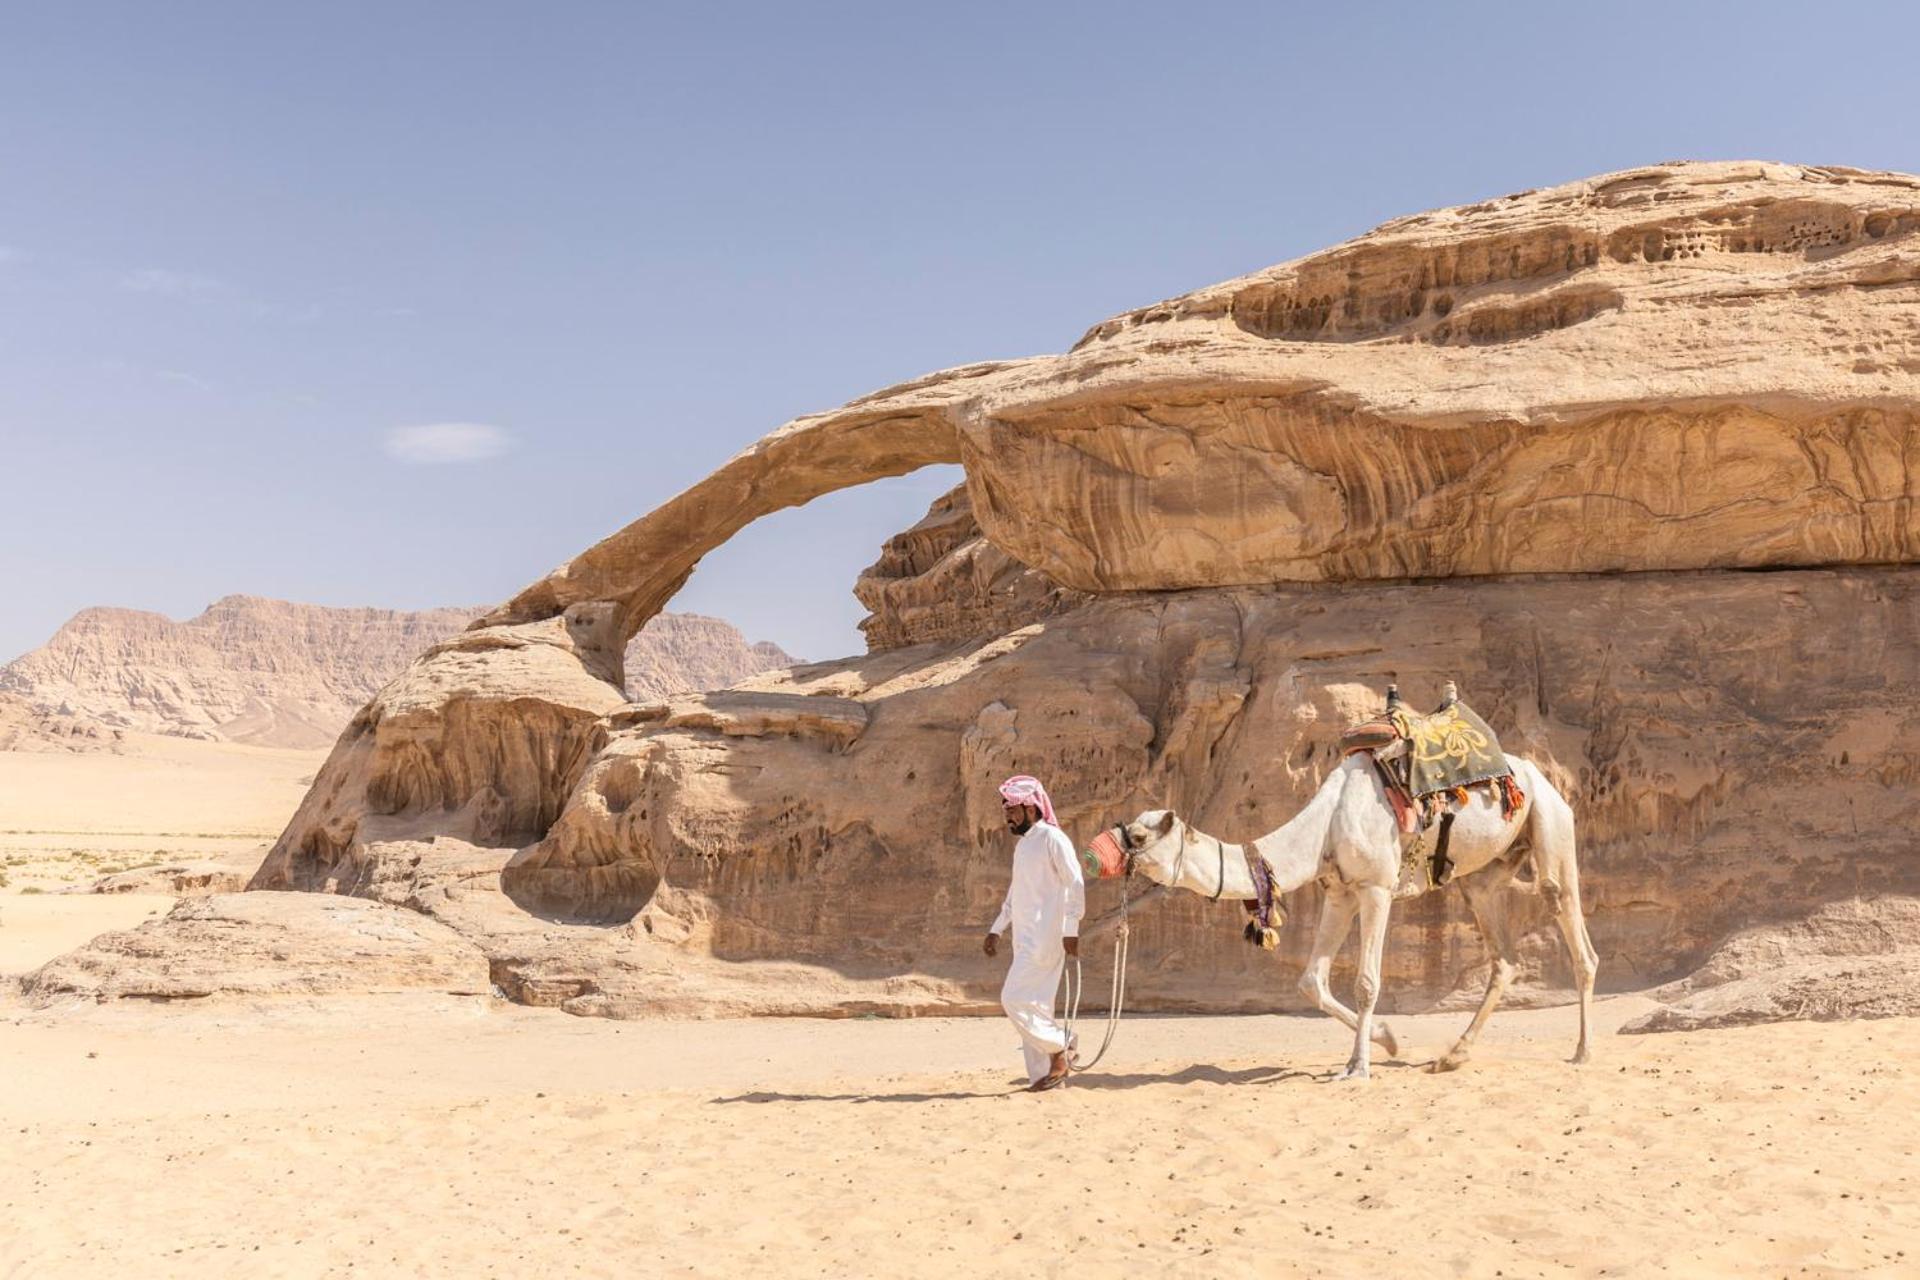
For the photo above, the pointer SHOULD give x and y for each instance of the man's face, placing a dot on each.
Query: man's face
(1020, 817)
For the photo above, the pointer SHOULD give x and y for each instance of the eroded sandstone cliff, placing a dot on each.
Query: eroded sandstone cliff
(846, 814)
(1534, 445)
(942, 580)
(25, 727)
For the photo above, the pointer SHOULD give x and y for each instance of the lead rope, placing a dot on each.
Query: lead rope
(1116, 996)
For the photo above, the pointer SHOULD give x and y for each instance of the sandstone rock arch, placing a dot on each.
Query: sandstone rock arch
(1445, 396)
(485, 736)
(638, 569)
(1690, 368)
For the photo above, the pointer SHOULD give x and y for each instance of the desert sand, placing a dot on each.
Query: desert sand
(34, 928)
(428, 1135)
(1180, 569)
(425, 1136)
(68, 817)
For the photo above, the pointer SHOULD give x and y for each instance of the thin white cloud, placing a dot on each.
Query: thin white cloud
(9, 254)
(435, 443)
(179, 284)
(184, 379)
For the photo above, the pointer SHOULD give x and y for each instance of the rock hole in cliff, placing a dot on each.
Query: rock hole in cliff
(606, 894)
(788, 577)
(622, 785)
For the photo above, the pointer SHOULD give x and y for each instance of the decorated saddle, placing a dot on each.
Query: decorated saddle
(1445, 753)
(1450, 748)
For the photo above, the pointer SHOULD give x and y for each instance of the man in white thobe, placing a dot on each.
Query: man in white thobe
(1044, 904)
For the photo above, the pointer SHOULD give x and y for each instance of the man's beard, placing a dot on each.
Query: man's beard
(1020, 825)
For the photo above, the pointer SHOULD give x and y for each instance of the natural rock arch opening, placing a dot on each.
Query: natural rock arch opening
(791, 577)
(636, 571)
(1248, 512)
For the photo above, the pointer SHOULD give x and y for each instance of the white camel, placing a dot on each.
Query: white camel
(1348, 839)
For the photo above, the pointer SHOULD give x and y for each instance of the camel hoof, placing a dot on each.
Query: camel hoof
(1452, 1062)
(1581, 1055)
(1351, 1073)
(1387, 1040)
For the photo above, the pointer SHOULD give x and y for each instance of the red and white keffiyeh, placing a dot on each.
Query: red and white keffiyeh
(1022, 789)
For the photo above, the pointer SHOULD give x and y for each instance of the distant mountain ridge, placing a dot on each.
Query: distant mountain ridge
(278, 673)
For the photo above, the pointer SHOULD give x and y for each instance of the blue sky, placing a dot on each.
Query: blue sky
(242, 245)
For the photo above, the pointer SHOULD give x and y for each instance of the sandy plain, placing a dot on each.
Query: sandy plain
(435, 1136)
(67, 818)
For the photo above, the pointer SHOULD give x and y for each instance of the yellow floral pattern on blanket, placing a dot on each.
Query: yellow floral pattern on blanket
(1447, 738)
(1453, 747)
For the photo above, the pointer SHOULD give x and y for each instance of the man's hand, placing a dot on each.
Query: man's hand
(1072, 946)
(992, 946)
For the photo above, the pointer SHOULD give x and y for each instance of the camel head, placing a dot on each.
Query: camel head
(1153, 843)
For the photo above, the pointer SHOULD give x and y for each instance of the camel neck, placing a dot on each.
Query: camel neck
(1214, 868)
(1294, 849)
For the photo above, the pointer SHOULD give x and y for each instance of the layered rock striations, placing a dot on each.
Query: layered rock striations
(943, 581)
(1532, 445)
(1689, 366)
(266, 944)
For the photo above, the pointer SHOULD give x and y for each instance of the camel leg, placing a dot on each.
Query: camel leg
(1486, 896)
(1337, 909)
(1586, 961)
(1559, 874)
(1376, 904)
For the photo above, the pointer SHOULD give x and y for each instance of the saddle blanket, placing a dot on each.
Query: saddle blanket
(1451, 748)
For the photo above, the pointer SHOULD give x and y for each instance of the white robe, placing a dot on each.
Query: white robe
(1043, 905)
